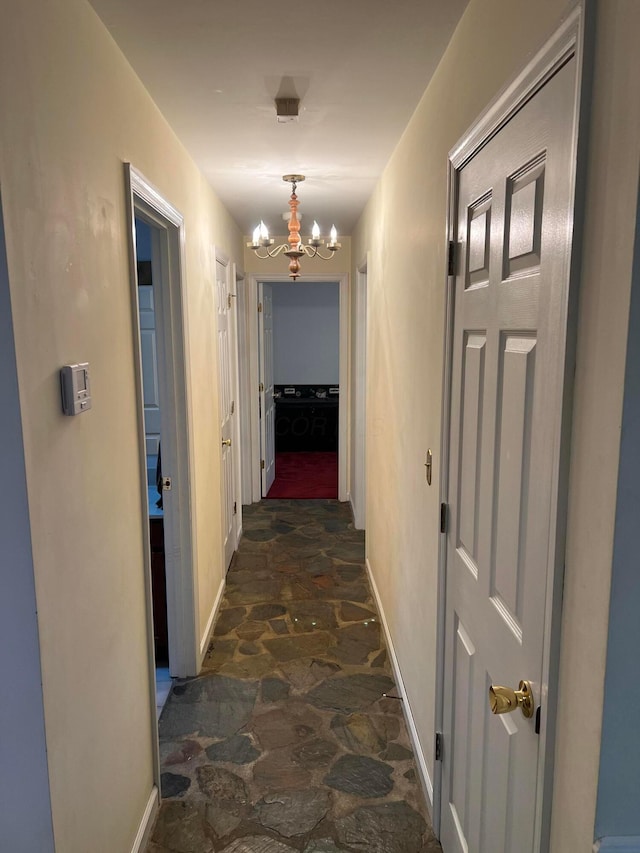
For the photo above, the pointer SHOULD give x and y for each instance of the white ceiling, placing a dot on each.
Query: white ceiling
(214, 67)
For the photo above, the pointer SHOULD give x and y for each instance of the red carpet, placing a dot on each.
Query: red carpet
(304, 474)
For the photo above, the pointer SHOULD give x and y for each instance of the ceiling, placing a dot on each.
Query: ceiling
(214, 68)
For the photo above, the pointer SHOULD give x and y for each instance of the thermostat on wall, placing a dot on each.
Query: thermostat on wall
(76, 392)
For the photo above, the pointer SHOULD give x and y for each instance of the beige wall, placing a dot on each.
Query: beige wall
(403, 227)
(71, 112)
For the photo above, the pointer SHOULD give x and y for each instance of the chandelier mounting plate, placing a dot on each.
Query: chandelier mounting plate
(293, 179)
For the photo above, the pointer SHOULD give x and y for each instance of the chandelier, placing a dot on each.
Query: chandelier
(295, 248)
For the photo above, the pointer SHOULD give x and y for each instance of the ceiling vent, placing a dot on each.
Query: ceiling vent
(287, 109)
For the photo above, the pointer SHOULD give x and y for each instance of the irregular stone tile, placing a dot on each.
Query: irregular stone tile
(349, 592)
(278, 772)
(387, 828)
(249, 667)
(174, 785)
(356, 642)
(285, 727)
(319, 565)
(389, 725)
(235, 750)
(350, 572)
(315, 753)
(229, 619)
(223, 821)
(184, 752)
(380, 659)
(214, 706)
(410, 775)
(249, 561)
(283, 527)
(218, 652)
(291, 813)
(300, 646)
(253, 593)
(348, 551)
(306, 673)
(323, 845)
(257, 844)
(251, 630)
(249, 649)
(360, 775)
(349, 693)
(219, 784)
(279, 626)
(312, 615)
(260, 534)
(396, 752)
(358, 734)
(181, 828)
(350, 612)
(297, 589)
(262, 612)
(274, 690)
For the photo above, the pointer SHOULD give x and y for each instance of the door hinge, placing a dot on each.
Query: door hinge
(439, 746)
(259, 307)
(228, 300)
(261, 387)
(233, 406)
(235, 507)
(262, 464)
(443, 518)
(451, 260)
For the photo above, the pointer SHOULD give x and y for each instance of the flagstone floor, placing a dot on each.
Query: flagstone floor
(285, 742)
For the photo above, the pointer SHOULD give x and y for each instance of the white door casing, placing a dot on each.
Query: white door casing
(513, 232)
(267, 405)
(226, 406)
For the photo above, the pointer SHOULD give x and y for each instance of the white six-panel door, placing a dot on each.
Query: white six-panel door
(267, 406)
(513, 234)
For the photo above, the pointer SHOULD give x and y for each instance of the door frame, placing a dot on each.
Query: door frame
(358, 427)
(251, 449)
(221, 256)
(145, 201)
(572, 38)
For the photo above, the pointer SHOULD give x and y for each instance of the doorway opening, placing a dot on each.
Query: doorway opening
(299, 333)
(312, 391)
(162, 387)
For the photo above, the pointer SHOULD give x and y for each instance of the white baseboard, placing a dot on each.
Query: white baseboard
(204, 642)
(423, 771)
(147, 822)
(618, 844)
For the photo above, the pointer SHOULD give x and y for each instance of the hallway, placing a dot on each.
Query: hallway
(285, 741)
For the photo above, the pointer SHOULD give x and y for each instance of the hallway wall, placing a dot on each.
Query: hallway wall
(71, 112)
(403, 227)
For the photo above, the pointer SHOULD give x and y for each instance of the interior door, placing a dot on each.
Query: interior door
(514, 220)
(267, 406)
(227, 410)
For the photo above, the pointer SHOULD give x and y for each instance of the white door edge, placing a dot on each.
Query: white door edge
(570, 39)
(345, 386)
(143, 198)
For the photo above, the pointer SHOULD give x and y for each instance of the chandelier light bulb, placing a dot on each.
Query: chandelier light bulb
(334, 234)
(315, 231)
(256, 235)
(264, 231)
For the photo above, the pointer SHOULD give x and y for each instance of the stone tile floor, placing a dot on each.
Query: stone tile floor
(285, 742)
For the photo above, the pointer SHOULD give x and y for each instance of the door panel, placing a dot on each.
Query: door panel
(267, 405)
(513, 220)
(226, 409)
(148, 345)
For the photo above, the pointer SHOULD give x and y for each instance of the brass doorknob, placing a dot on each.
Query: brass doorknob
(504, 700)
(226, 442)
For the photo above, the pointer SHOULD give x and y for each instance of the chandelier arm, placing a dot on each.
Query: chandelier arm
(314, 251)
